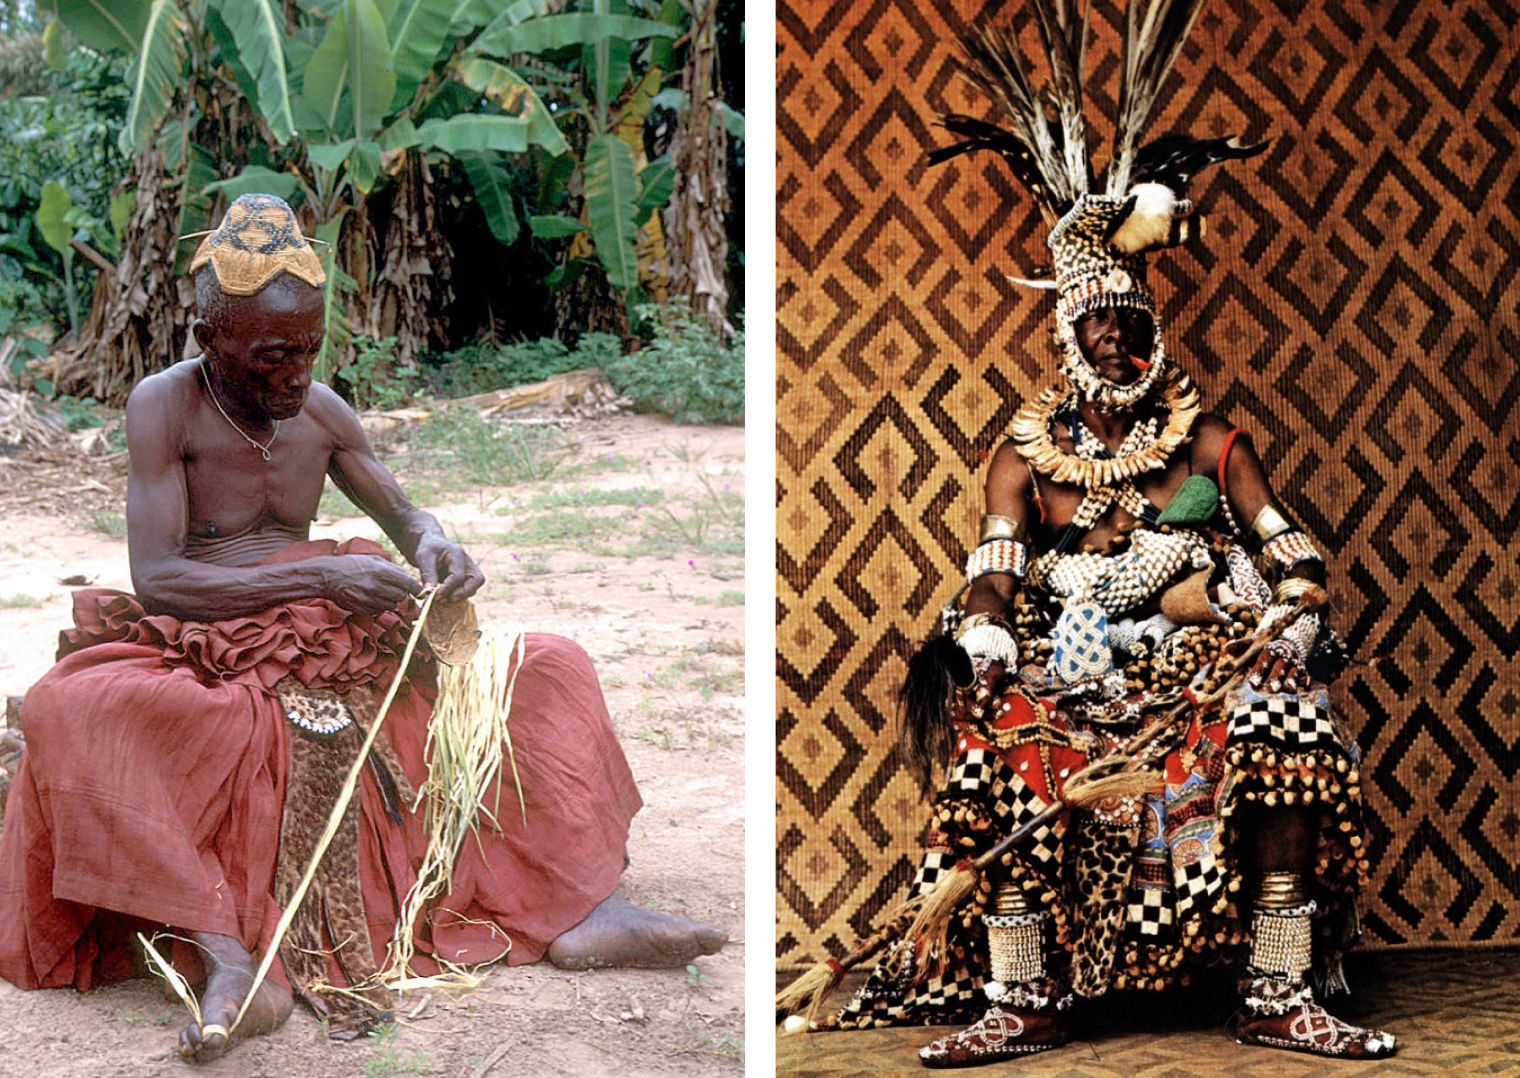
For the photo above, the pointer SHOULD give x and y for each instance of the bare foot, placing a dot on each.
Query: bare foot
(229, 972)
(618, 933)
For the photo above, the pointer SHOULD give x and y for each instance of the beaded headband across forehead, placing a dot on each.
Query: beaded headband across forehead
(258, 239)
(1099, 237)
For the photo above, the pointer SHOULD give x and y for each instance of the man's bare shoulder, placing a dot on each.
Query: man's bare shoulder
(327, 408)
(157, 405)
(1209, 434)
(169, 386)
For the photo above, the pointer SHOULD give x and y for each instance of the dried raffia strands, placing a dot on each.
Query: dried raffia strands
(465, 754)
(335, 818)
(171, 975)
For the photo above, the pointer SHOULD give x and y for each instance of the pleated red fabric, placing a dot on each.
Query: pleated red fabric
(153, 784)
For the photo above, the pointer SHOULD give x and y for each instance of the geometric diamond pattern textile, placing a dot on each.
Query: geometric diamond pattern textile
(1356, 307)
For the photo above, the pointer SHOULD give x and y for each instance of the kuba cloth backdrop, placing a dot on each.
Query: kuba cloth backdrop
(1354, 307)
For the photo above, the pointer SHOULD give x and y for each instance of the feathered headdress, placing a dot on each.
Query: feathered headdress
(1098, 241)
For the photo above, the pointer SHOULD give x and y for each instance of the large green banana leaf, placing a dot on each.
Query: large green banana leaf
(326, 75)
(489, 181)
(52, 209)
(473, 133)
(258, 29)
(611, 194)
(101, 24)
(562, 31)
(352, 64)
(417, 32)
(371, 78)
(508, 89)
(154, 75)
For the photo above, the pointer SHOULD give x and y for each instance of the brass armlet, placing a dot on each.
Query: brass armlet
(1000, 527)
(1269, 523)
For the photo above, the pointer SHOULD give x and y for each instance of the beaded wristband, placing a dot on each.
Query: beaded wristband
(996, 556)
(1290, 548)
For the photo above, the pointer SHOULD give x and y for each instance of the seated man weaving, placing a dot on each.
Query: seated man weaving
(186, 749)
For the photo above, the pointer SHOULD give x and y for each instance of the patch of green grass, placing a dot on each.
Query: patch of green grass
(561, 499)
(692, 672)
(711, 521)
(21, 602)
(460, 449)
(106, 522)
(607, 462)
(130, 1017)
(719, 647)
(566, 528)
(730, 597)
(389, 1061)
(724, 1045)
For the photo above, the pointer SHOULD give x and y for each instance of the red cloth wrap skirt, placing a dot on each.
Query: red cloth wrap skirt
(153, 783)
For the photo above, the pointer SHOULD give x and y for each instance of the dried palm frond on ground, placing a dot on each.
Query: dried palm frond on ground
(29, 421)
(62, 482)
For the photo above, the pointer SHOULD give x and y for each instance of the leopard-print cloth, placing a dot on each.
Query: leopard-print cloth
(1104, 860)
(334, 905)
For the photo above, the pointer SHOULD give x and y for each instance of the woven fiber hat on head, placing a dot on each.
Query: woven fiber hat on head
(257, 240)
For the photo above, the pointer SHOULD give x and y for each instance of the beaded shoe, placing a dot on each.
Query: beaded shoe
(1001, 1033)
(1278, 1014)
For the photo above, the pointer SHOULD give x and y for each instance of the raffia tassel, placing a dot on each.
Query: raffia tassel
(1082, 791)
(806, 994)
(928, 933)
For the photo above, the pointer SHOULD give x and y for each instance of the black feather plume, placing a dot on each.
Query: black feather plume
(1174, 160)
(934, 671)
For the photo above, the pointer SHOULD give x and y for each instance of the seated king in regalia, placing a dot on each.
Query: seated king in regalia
(1141, 771)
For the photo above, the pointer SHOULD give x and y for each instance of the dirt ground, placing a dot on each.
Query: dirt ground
(633, 546)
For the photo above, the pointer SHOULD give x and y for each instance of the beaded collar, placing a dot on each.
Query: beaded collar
(1030, 432)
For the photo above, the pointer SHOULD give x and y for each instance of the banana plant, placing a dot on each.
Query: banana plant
(620, 187)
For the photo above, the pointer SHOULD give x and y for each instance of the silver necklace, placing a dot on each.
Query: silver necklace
(262, 447)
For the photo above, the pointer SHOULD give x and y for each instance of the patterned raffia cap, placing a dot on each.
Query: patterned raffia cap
(1090, 274)
(257, 240)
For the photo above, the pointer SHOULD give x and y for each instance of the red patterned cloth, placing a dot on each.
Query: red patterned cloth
(153, 784)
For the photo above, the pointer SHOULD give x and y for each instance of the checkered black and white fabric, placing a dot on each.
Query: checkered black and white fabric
(1014, 803)
(931, 869)
(1198, 882)
(1150, 911)
(1295, 721)
(971, 774)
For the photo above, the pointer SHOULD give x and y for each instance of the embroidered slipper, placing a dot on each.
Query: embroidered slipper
(999, 1034)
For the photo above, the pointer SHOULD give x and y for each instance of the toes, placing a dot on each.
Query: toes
(710, 939)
